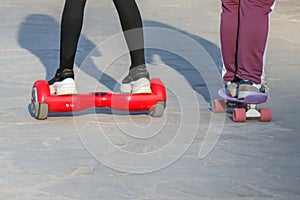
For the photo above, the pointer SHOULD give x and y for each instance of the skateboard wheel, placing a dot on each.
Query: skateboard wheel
(219, 106)
(265, 114)
(239, 115)
(158, 109)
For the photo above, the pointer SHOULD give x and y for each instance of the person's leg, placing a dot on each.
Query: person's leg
(228, 37)
(253, 34)
(132, 27)
(71, 25)
(138, 79)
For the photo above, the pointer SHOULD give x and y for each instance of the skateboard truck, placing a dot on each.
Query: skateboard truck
(42, 102)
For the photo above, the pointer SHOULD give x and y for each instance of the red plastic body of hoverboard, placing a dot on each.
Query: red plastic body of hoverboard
(126, 102)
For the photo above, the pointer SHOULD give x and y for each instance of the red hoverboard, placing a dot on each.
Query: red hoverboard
(42, 102)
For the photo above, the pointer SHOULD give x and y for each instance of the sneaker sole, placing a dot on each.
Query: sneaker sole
(242, 95)
(141, 86)
(246, 90)
(66, 87)
(126, 88)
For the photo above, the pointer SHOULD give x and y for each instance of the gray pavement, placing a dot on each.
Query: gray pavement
(190, 153)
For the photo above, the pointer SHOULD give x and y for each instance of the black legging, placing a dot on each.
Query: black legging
(71, 25)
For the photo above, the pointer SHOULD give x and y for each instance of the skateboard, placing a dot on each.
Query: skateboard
(243, 108)
(42, 102)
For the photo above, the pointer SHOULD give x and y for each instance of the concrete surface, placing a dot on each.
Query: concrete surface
(190, 153)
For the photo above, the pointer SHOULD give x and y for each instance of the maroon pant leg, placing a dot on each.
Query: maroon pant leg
(252, 38)
(229, 37)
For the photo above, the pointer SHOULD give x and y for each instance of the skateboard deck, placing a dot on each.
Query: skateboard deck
(243, 108)
(250, 99)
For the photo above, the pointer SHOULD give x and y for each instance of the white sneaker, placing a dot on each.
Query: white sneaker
(63, 83)
(247, 87)
(137, 81)
(231, 88)
(141, 86)
(65, 87)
